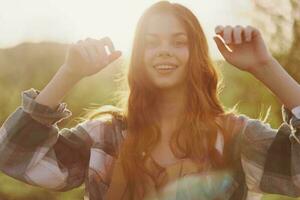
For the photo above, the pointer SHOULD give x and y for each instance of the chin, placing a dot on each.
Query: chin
(165, 85)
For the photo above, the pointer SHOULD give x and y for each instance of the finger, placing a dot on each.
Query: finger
(114, 56)
(102, 54)
(227, 34)
(237, 34)
(92, 51)
(221, 46)
(255, 33)
(107, 42)
(80, 48)
(248, 33)
(219, 30)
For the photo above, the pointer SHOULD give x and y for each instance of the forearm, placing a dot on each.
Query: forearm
(274, 76)
(57, 88)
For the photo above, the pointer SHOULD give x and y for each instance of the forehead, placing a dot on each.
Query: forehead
(164, 24)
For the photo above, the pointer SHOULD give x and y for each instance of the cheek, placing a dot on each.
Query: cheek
(149, 56)
(184, 55)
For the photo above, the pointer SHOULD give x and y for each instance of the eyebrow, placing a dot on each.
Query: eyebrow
(174, 35)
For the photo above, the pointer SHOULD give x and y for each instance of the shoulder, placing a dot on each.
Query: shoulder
(247, 129)
(232, 123)
(257, 130)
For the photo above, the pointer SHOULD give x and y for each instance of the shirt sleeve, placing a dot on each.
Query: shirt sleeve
(271, 157)
(296, 112)
(35, 151)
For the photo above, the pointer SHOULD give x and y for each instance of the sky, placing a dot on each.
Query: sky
(67, 21)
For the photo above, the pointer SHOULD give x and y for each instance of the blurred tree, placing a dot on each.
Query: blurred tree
(280, 19)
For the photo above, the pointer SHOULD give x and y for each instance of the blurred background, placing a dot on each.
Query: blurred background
(34, 37)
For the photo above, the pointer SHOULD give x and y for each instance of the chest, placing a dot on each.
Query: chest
(163, 155)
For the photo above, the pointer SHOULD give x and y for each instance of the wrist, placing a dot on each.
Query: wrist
(69, 74)
(264, 68)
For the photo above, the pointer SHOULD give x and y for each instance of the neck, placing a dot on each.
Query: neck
(171, 106)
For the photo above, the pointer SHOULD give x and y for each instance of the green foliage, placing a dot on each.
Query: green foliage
(11, 189)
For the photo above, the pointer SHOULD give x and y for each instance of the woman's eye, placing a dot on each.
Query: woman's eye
(180, 43)
(151, 43)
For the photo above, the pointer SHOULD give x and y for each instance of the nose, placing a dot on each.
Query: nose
(164, 53)
(164, 50)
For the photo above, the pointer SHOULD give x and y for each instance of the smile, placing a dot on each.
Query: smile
(165, 68)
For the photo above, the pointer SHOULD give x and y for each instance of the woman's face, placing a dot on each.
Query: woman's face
(166, 51)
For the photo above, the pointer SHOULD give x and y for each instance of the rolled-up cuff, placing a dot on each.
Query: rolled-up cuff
(43, 113)
(293, 122)
(289, 117)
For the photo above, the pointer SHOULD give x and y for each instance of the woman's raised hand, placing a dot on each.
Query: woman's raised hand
(242, 47)
(88, 57)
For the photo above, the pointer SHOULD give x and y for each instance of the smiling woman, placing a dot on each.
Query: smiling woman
(173, 138)
(166, 51)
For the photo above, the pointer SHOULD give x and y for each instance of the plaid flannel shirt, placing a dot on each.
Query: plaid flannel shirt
(35, 151)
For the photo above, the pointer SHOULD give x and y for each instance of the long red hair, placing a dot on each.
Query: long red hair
(196, 136)
(204, 115)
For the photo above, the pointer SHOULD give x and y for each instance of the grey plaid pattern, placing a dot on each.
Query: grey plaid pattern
(35, 151)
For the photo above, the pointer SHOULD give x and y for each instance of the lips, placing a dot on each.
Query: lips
(165, 66)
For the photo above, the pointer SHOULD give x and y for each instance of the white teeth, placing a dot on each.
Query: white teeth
(165, 67)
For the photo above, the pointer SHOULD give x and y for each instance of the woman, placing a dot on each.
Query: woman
(172, 140)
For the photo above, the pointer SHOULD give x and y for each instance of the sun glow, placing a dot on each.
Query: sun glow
(68, 21)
